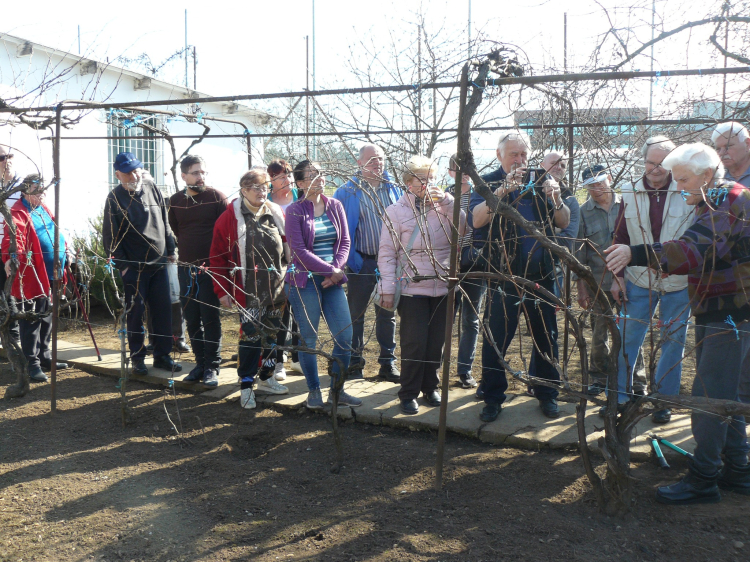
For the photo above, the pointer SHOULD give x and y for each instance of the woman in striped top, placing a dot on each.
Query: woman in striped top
(318, 236)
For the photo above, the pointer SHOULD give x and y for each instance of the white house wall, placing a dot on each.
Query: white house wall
(84, 163)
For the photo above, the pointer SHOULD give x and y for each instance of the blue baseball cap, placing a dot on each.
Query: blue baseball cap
(126, 162)
(594, 174)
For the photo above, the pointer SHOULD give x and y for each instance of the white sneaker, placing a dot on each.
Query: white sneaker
(295, 367)
(247, 398)
(270, 386)
(279, 373)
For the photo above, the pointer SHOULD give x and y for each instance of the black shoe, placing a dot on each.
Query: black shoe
(735, 478)
(211, 377)
(409, 407)
(356, 371)
(180, 347)
(167, 363)
(390, 373)
(139, 367)
(467, 381)
(149, 349)
(48, 365)
(490, 412)
(662, 416)
(196, 375)
(36, 375)
(694, 488)
(432, 398)
(480, 392)
(550, 408)
(596, 388)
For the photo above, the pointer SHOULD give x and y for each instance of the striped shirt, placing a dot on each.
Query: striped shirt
(372, 206)
(325, 238)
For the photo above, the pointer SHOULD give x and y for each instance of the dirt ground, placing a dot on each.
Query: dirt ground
(238, 485)
(257, 486)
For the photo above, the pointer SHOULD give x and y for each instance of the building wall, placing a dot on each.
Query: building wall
(84, 172)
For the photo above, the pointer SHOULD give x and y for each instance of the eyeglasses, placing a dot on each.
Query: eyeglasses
(3, 157)
(260, 188)
(198, 173)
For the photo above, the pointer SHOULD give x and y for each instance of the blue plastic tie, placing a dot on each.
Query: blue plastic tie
(733, 325)
(309, 274)
(292, 268)
(118, 386)
(170, 383)
(272, 268)
(685, 194)
(377, 274)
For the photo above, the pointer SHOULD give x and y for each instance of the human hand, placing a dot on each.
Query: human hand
(386, 301)
(327, 283)
(172, 259)
(7, 268)
(618, 257)
(435, 194)
(226, 301)
(514, 178)
(552, 190)
(618, 290)
(336, 277)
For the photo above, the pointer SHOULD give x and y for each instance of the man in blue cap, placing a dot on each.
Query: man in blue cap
(137, 237)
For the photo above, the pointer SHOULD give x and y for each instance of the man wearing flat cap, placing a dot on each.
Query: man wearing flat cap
(653, 210)
(138, 239)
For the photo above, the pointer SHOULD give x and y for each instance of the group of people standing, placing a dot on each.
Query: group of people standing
(281, 252)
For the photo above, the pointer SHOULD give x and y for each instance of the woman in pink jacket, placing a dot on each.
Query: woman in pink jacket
(422, 306)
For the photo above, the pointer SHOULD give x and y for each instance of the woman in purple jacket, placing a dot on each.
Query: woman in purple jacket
(318, 236)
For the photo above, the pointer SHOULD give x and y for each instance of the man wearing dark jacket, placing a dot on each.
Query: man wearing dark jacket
(509, 249)
(137, 236)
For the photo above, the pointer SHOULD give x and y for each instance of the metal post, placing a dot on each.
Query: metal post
(419, 89)
(314, 113)
(452, 282)
(186, 52)
(195, 70)
(56, 260)
(307, 98)
(249, 151)
(79, 39)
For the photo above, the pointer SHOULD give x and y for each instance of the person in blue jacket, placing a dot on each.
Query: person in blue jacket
(365, 198)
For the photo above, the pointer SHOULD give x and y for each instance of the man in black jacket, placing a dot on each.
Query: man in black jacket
(509, 249)
(137, 236)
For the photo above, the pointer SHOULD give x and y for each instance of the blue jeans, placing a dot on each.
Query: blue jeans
(471, 304)
(308, 304)
(719, 354)
(359, 289)
(639, 310)
(501, 315)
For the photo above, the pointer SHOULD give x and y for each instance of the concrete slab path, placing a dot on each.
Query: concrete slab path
(521, 423)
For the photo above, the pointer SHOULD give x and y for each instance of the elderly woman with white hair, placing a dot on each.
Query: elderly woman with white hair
(416, 240)
(713, 252)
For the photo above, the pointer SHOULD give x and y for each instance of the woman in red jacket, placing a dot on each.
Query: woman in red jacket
(249, 258)
(34, 255)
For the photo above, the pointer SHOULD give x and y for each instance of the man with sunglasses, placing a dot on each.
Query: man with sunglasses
(8, 181)
(192, 215)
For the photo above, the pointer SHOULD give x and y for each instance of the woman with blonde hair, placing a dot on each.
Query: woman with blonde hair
(416, 240)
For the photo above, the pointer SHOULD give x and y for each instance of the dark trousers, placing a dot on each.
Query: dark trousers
(422, 336)
(152, 287)
(501, 316)
(359, 290)
(200, 306)
(178, 323)
(289, 333)
(719, 355)
(13, 327)
(257, 341)
(35, 336)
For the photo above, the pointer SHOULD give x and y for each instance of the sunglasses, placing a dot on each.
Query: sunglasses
(3, 157)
